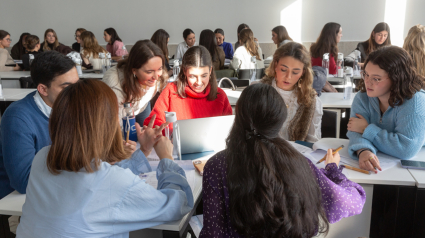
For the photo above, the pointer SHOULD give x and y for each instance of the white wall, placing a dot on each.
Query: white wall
(138, 19)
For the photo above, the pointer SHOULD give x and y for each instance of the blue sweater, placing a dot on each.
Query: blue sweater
(24, 131)
(400, 132)
(228, 50)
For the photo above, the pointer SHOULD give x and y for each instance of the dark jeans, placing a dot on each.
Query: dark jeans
(140, 118)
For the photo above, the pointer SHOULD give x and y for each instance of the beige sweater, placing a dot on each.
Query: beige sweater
(113, 78)
(95, 62)
(5, 59)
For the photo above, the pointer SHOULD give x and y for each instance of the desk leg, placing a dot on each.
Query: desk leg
(4, 227)
(393, 210)
(419, 225)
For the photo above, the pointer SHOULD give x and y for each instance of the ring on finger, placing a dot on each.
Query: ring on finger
(371, 158)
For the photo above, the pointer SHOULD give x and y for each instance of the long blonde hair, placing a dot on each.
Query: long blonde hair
(91, 46)
(46, 45)
(415, 45)
(247, 39)
(304, 87)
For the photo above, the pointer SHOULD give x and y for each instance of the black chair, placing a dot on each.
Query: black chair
(246, 73)
(26, 82)
(329, 124)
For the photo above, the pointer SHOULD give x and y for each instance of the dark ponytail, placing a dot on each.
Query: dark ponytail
(272, 190)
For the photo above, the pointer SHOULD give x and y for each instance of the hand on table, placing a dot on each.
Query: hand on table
(357, 124)
(369, 161)
(164, 148)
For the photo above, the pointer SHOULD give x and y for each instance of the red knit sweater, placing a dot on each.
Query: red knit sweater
(195, 105)
(332, 64)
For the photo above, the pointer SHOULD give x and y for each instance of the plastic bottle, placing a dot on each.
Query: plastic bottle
(31, 56)
(129, 123)
(325, 63)
(108, 61)
(102, 65)
(176, 71)
(254, 71)
(171, 118)
(356, 67)
(348, 87)
(125, 51)
(340, 65)
(1, 88)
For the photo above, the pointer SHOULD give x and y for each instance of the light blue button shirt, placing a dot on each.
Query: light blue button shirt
(107, 203)
(44, 108)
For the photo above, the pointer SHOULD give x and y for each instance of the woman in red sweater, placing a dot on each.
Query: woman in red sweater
(195, 94)
(327, 43)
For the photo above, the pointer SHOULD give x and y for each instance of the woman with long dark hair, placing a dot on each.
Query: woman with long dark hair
(280, 36)
(77, 45)
(189, 41)
(260, 186)
(327, 43)
(6, 61)
(137, 78)
(380, 36)
(115, 45)
(161, 38)
(207, 39)
(388, 113)
(19, 48)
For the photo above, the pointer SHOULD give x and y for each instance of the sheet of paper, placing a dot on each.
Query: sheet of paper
(196, 222)
(300, 148)
(324, 144)
(150, 178)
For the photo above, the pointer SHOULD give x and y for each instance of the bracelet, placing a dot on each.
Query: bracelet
(358, 155)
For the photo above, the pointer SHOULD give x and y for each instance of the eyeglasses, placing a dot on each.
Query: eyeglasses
(77, 36)
(374, 81)
(10, 40)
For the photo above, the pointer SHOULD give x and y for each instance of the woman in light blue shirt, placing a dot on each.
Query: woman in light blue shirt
(388, 113)
(83, 185)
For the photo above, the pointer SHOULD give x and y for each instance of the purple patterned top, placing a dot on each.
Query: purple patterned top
(341, 197)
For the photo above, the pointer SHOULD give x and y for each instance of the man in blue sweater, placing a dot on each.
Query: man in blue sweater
(25, 123)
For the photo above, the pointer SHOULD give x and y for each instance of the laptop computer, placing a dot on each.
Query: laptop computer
(202, 134)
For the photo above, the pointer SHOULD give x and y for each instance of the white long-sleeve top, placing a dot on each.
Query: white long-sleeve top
(242, 59)
(114, 78)
(182, 48)
(290, 98)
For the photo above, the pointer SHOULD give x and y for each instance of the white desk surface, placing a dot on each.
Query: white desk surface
(15, 94)
(19, 74)
(12, 205)
(329, 100)
(419, 175)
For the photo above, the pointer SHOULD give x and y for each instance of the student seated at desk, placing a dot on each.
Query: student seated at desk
(161, 38)
(77, 45)
(207, 40)
(290, 73)
(91, 50)
(51, 42)
(6, 61)
(189, 41)
(327, 43)
(115, 45)
(19, 48)
(195, 94)
(24, 124)
(387, 115)
(32, 44)
(86, 184)
(260, 186)
(380, 36)
(137, 78)
(227, 47)
(280, 36)
(415, 45)
(242, 59)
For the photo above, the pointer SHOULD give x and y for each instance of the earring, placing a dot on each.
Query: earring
(134, 75)
(299, 83)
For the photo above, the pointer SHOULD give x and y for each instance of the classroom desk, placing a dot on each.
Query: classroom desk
(13, 94)
(12, 205)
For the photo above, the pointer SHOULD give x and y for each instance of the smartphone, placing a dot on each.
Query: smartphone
(412, 164)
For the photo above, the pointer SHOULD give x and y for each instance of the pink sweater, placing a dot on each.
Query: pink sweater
(116, 49)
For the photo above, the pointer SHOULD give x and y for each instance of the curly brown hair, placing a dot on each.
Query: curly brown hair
(400, 69)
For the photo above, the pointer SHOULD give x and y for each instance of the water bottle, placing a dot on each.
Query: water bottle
(253, 73)
(325, 63)
(31, 58)
(176, 71)
(125, 52)
(348, 87)
(129, 123)
(356, 67)
(1, 88)
(108, 61)
(78, 63)
(171, 118)
(102, 64)
(340, 65)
